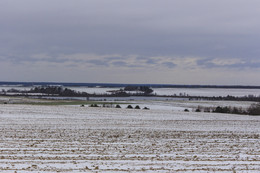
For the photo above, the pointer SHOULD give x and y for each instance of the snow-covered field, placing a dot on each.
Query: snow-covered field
(210, 92)
(83, 139)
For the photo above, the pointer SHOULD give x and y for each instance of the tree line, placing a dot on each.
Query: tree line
(253, 109)
(66, 92)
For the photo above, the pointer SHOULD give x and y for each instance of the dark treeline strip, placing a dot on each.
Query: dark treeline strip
(66, 92)
(254, 109)
(227, 98)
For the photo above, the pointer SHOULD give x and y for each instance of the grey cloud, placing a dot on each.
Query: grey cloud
(242, 64)
(161, 28)
(119, 63)
(169, 64)
(98, 62)
(146, 28)
(151, 61)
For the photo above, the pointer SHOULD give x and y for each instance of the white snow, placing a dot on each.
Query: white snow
(207, 92)
(83, 139)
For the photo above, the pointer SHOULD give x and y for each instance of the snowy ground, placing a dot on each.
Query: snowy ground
(209, 92)
(83, 139)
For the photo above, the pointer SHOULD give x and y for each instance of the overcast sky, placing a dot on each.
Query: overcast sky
(131, 41)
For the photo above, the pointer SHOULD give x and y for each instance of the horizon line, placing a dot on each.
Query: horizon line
(125, 84)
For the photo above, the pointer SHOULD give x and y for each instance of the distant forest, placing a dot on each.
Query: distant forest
(66, 92)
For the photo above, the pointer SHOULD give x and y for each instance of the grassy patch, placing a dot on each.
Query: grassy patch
(34, 101)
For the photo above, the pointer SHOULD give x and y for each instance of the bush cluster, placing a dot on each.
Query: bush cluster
(136, 107)
(93, 105)
(117, 106)
(254, 109)
(229, 110)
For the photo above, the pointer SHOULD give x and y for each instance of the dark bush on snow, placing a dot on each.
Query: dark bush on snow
(225, 109)
(146, 108)
(118, 106)
(93, 105)
(254, 109)
(198, 109)
(137, 107)
(129, 107)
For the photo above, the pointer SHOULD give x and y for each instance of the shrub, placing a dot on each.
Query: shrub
(129, 107)
(93, 105)
(118, 106)
(186, 110)
(207, 109)
(225, 109)
(235, 110)
(218, 109)
(198, 109)
(254, 109)
(146, 108)
(137, 107)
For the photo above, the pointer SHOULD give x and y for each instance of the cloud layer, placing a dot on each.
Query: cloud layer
(130, 41)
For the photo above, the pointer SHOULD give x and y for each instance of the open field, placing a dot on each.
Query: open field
(38, 138)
